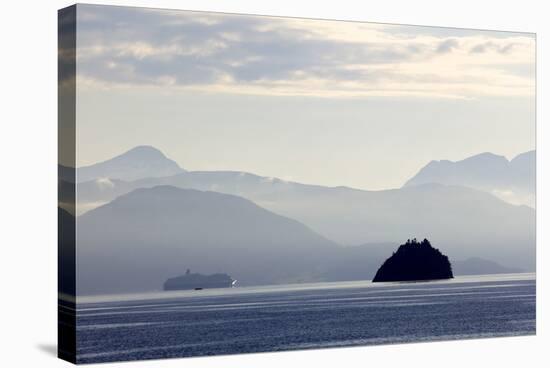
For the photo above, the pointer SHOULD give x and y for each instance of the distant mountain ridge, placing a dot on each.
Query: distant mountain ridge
(142, 238)
(512, 181)
(468, 222)
(479, 266)
(138, 163)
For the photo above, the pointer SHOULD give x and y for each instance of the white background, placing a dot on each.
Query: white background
(28, 205)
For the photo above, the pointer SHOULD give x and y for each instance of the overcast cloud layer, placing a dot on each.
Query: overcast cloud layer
(120, 46)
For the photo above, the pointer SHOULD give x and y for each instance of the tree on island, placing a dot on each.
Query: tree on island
(415, 261)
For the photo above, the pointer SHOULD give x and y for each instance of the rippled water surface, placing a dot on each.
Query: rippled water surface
(289, 317)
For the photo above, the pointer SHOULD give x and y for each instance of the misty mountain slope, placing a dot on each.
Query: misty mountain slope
(137, 241)
(100, 191)
(524, 168)
(139, 162)
(480, 266)
(512, 181)
(466, 222)
(470, 222)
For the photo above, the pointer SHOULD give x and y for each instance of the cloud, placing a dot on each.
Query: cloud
(105, 183)
(122, 47)
(492, 46)
(447, 45)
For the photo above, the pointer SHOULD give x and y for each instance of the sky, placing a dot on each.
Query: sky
(324, 102)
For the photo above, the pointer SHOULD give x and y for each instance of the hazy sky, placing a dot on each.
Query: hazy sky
(334, 103)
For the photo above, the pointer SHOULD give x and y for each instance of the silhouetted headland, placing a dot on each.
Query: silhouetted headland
(415, 261)
(196, 281)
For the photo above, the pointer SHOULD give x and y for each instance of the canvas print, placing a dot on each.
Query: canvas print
(241, 183)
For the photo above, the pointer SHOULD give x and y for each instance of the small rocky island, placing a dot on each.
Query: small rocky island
(196, 281)
(415, 261)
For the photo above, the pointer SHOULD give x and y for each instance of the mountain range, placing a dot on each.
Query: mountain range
(137, 163)
(349, 231)
(513, 181)
(138, 240)
(143, 237)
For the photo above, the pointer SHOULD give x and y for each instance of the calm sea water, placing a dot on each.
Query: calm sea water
(289, 317)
